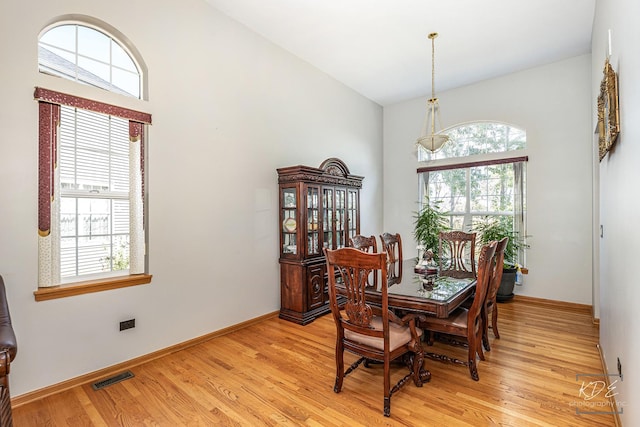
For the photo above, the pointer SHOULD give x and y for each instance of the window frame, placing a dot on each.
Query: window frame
(47, 121)
(49, 107)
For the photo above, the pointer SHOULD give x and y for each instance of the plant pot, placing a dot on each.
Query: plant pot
(505, 291)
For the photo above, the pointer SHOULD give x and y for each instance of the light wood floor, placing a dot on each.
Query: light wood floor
(279, 373)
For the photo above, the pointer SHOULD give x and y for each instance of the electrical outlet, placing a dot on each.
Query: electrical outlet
(127, 324)
(619, 368)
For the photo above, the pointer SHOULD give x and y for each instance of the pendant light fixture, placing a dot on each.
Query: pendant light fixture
(430, 139)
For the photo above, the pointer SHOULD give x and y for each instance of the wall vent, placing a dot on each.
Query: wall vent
(112, 380)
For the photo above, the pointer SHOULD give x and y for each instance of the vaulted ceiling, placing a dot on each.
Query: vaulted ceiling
(381, 50)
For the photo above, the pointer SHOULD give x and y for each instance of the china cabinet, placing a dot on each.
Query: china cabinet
(319, 208)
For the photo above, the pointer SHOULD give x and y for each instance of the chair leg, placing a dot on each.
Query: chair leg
(387, 386)
(473, 369)
(339, 366)
(480, 351)
(474, 345)
(485, 331)
(6, 417)
(415, 363)
(479, 344)
(387, 406)
(485, 341)
(494, 321)
(430, 337)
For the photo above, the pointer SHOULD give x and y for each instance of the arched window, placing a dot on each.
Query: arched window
(84, 54)
(486, 179)
(91, 165)
(470, 139)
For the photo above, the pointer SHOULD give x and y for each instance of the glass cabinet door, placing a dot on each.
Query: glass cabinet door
(337, 207)
(352, 210)
(327, 218)
(289, 232)
(313, 209)
(341, 218)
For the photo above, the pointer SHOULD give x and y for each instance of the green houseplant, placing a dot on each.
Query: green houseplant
(496, 228)
(429, 222)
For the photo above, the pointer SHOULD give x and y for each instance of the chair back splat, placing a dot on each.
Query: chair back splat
(456, 254)
(392, 245)
(370, 331)
(366, 244)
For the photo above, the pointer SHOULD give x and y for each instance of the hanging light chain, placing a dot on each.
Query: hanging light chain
(433, 36)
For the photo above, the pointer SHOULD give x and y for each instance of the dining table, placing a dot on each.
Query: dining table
(425, 293)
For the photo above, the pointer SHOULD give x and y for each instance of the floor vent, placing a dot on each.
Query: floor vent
(112, 380)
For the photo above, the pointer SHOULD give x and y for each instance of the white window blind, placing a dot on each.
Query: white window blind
(94, 193)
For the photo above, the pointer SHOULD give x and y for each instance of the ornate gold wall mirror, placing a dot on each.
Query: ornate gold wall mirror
(608, 114)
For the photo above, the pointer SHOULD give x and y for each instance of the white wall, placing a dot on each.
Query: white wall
(619, 202)
(228, 109)
(552, 103)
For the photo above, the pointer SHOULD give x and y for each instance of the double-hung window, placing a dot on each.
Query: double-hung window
(91, 166)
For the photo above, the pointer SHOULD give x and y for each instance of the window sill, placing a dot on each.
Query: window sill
(91, 286)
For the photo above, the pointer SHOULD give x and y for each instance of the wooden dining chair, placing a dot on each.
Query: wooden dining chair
(456, 254)
(366, 244)
(392, 245)
(372, 332)
(490, 306)
(466, 323)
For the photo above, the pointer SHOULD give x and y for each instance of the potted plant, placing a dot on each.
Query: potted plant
(496, 228)
(429, 222)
